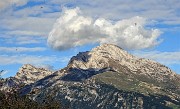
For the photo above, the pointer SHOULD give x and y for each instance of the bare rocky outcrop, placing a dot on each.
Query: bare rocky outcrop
(27, 74)
(108, 55)
(107, 77)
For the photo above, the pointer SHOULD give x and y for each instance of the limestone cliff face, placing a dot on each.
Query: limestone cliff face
(27, 74)
(108, 55)
(107, 77)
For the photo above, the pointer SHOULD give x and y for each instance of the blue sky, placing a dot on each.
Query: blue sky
(35, 31)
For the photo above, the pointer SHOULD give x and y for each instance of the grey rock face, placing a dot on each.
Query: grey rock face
(27, 74)
(107, 77)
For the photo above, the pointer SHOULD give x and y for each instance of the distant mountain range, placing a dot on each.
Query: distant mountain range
(107, 77)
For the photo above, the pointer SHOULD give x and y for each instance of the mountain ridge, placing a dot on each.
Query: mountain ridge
(27, 74)
(109, 77)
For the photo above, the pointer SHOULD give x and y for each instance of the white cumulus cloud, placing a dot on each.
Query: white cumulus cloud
(73, 28)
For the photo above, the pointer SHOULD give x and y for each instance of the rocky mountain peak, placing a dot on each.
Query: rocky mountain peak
(100, 57)
(112, 56)
(29, 73)
(27, 66)
(105, 75)
(112, 51)
(107, 47)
